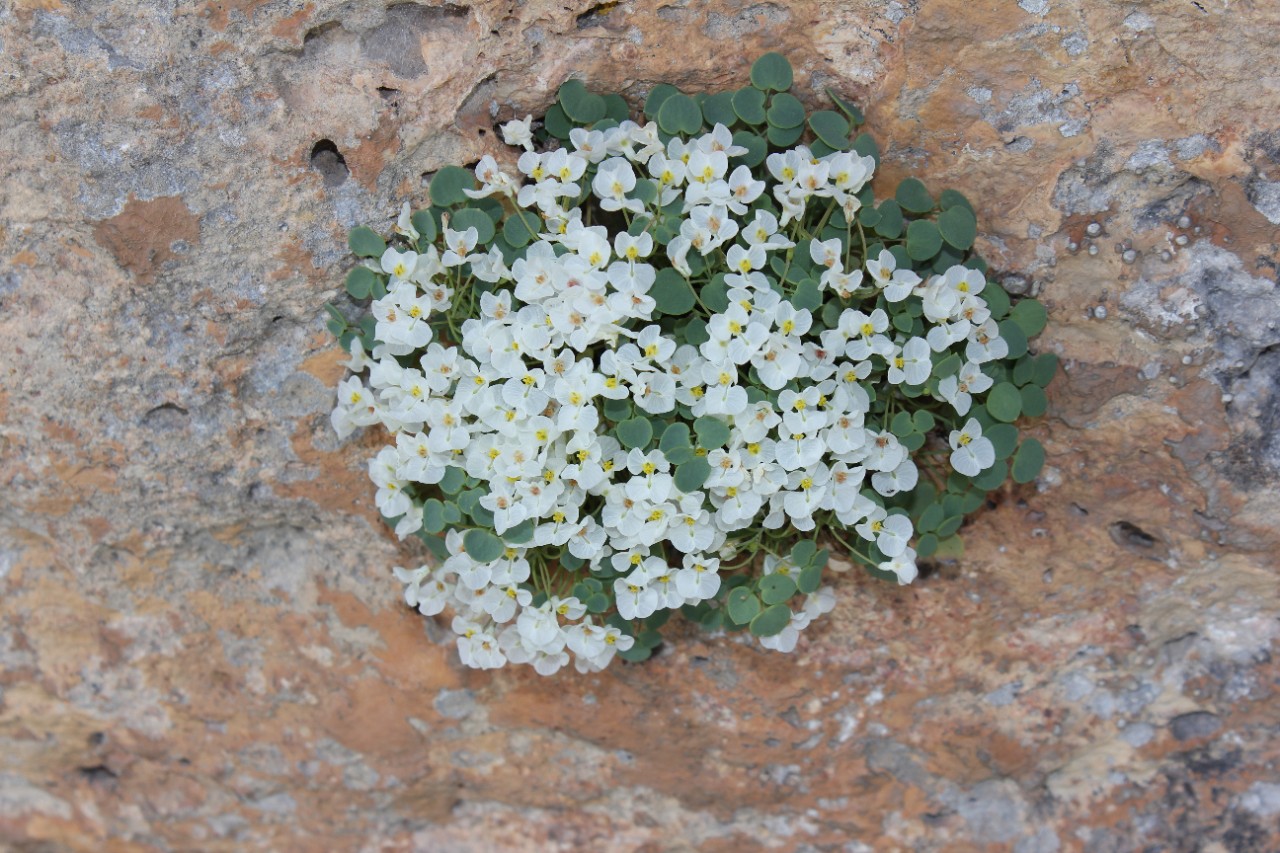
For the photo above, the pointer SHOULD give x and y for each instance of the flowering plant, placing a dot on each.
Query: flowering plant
(620, 373)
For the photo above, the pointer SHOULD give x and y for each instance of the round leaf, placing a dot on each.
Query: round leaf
(1003, 437)
(451, 482)
(718, 109)
(676, 435)
(521, 533)
(958, 226)
(748, 103)
(691, 475)
(771, 621)
(953, 198)
(992, 478)
(913, 196)
(1014, 337)
(1034, 402)
(1030, 316)
(672, 293)
(831, 127)
(712, 432)
(680, 114)
(923, 240)
(635, 432)
(742, 605)
(432, 515)
(448, 184)
(785, 110)
(1044, 368)
(657, 96)
(364, 243)
(482, 546)
(809, 579)
(756, 147)
(470, 217)
(772, 72)
(1028, 461)
(557, 123)
(615, 107)
(1004, 402)
(425, 224)
(891, 222)
(784, 137)
(776, 588)
(360, 281)
(516, 230)
(849, 109)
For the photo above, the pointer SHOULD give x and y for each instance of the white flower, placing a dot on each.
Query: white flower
(519, 132)
(971, 453)
(903, 565)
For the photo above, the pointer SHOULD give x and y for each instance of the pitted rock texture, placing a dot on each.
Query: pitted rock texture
(202, 645)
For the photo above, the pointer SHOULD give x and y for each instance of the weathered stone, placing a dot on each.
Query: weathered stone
(203, 648)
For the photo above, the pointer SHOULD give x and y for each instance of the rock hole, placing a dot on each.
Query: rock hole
(594, 15)
(1129, 535)
(97, 738)
(165, 416)
(329, 162)
(389, 94)
(99, 774)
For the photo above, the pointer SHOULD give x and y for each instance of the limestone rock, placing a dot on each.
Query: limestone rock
(202, 646)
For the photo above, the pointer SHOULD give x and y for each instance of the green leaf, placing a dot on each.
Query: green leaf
(1003, 437)
(757, 149)
(802, 552)
(451, 482)
(930, 518)
(432, 515)
(578, 104)
(748, 103)
(365, 243)
(692, 474)
(597, 602)
(360, 281)
(809, 579)
(470, 217)
(913, 196)
(926, 545)
(865, 145)
(847, 107)
(1034, 402)
(482, 546)
(902, 425)
(771, 621)
(923, 421)
(424, 222)
(808, 295)
(557, 123)
(923, 240)
(776, 588)
(516, 230)
(452, 513)
(1004, 402)
(521, 533)
(657, 96)
(718, 109)
(997, 300)
(869, 217)
(949, 526)
(831, 127)
(715, 293)
(1044, 368)
(615, 107)
(712, 432)
(992, 478)
(785, 111)
(635, 432)
(954, 198)
(1030, 316)
(680, 114)
(448, 184)
(958, 226)
(742, 605)
(891, 221)
(784, 137)
(1014, 337)
(672, 293)
(675, 435)
(1028, 461)
(772, 72)
(617, 410)
(636, 654)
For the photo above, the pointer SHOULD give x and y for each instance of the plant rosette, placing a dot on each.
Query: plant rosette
(647, 369)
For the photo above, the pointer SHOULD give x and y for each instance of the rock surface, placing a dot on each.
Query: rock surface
(202, 647)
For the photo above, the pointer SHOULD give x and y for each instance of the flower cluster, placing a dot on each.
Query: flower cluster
(678, 350)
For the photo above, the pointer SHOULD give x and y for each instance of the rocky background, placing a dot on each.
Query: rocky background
(202, 645)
